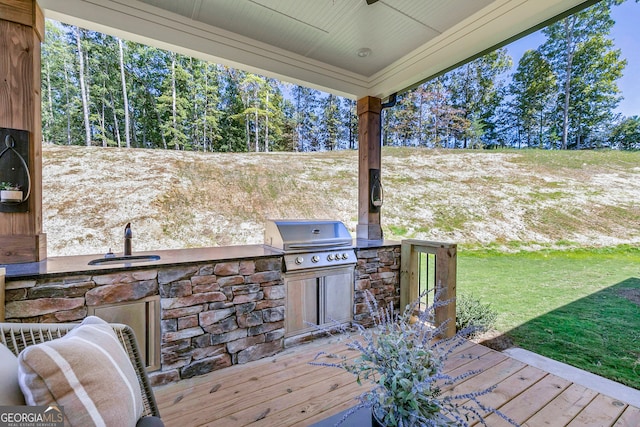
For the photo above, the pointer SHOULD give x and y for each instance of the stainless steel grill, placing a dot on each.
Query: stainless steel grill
(310, 243)
(319, 262)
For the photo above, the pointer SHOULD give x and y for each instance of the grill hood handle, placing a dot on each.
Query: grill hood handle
(318, 245)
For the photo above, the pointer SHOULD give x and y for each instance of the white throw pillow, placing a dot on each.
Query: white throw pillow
(87, 372)
(10, 393)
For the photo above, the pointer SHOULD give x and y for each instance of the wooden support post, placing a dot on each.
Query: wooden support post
(21, 32)
(446, 261)
(409, 275)
(369, 149)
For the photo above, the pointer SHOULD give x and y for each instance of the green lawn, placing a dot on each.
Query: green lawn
(573, 306)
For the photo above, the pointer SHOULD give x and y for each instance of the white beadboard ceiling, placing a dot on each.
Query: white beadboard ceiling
(315, 42)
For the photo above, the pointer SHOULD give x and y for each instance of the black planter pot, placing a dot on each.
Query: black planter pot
(375, 422)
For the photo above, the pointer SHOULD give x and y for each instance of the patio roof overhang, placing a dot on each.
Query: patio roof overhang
(345, 47)
(316, 42)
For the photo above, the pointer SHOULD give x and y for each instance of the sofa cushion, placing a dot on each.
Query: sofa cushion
(10, 393)
(87, 372)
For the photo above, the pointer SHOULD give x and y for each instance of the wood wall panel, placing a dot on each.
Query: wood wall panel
(16, 249)
(21, 33)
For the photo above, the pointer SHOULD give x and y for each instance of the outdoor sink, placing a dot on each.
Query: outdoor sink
(123, 259)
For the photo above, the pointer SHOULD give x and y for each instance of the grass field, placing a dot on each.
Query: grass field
(581, 307)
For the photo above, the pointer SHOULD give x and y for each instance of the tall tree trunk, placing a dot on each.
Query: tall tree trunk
(421, 94)
(247, 132)
(298, 128)
(66, 107)
(162, 135)
(134, 137)
(50, 120)
(83, 90)
(173, 101)
(125, 98)
(116, 125)
(103, 126)
(540, 133)
(257, 129)
(266, 124)
(206, 108)
(352, 136)
(568, 25)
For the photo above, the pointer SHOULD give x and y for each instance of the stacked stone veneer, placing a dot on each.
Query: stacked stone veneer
(378, 271)
(217, 315)
(212, 315)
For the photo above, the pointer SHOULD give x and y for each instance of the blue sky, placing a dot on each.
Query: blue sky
(626, 36)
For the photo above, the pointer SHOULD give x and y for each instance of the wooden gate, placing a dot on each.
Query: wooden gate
(430, 266)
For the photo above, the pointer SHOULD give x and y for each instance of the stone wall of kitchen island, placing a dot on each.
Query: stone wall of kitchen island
(213, 315)
(378, 271)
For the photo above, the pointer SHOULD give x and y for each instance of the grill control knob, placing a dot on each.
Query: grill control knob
(315, 258)
(345, 255)
(330, 257)
(299, 260)
(337, 256)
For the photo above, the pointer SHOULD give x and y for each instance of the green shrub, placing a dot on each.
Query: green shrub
(473, 315)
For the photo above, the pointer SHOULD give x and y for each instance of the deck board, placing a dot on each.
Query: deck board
(285, 390)
(563, 408)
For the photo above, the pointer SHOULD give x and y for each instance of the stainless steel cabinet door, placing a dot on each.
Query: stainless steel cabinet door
(338, 297)
(302, 305)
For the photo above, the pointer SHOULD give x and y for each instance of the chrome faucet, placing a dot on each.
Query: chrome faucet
(127, 239)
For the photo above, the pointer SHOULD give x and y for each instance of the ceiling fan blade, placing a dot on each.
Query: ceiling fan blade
(371, 1)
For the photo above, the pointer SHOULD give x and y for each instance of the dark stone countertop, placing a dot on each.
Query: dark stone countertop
(372, 244)
(79, 264)
(65, 265)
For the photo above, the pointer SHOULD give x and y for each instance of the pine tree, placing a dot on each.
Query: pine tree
(533, 88)
(233, 131)
(330, 123)
(587, 67)
(476, 89)
(305, 101)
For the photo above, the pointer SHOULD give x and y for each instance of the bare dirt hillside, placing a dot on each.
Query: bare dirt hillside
(503, 199)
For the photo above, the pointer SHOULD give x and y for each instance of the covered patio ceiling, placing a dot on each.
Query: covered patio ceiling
(346, 47)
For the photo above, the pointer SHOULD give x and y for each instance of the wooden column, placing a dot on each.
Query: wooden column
(21, 32)
(369, 149)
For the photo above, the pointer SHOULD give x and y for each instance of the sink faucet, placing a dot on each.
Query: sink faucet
(127, 239)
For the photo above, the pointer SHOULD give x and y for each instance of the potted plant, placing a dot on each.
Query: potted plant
(403, 357)
(10, 192)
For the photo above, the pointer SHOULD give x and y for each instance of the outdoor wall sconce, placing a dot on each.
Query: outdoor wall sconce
(376, 194)
(15, 177)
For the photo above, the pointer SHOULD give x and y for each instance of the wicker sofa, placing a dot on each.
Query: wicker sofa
(18, 336)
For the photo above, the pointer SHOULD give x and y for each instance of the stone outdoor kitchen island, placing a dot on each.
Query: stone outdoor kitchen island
(218, 306)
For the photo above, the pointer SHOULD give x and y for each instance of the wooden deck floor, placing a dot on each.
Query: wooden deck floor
(284, 390)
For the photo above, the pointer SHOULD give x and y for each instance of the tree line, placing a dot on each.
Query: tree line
(101, 90)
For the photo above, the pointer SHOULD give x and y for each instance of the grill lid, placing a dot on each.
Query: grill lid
(306, 235)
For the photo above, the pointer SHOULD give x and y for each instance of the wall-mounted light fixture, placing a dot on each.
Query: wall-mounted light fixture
(15, 177)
